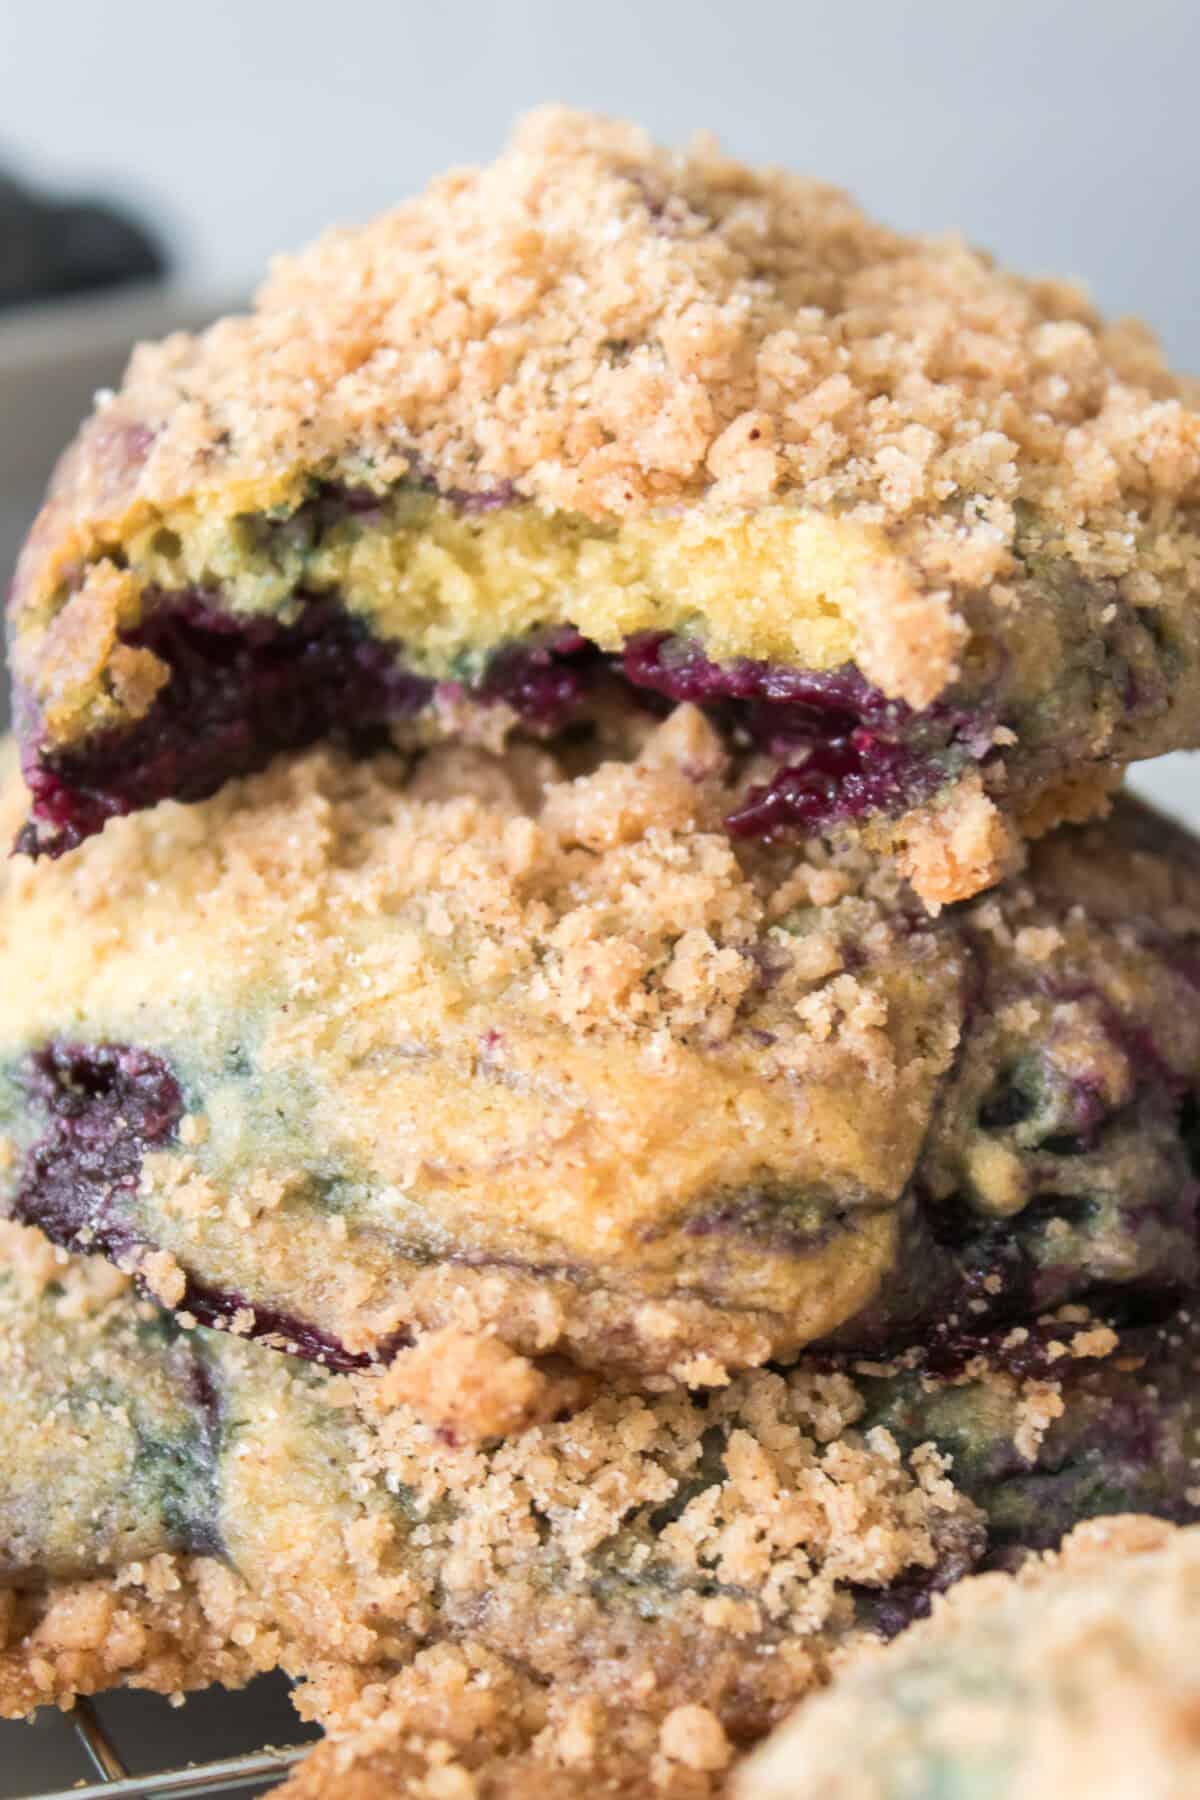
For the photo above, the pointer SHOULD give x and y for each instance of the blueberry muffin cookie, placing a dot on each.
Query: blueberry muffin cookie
(356, 1050)
(1082, 1676)
(712, 1551)
(919, 535)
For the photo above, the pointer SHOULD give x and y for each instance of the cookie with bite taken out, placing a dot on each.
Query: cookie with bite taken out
(919, 535)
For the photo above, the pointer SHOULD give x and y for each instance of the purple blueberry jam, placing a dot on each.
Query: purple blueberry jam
(104, 1107)
(241, 689)
(548, 684)
(846, 749)
(961, 1547)
(218, 1306)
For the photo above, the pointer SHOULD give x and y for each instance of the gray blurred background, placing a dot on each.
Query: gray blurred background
(1063, 135)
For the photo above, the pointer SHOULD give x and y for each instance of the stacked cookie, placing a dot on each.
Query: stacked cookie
(527, 913)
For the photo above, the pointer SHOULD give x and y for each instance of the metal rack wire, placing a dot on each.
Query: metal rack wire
(229, 1775)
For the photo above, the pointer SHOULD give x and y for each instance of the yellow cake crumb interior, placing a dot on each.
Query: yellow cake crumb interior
(449, 586)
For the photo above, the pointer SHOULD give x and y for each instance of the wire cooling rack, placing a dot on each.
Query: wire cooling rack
(240, 1774)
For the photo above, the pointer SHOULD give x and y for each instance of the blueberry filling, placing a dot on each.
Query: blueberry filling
(104, 1106)
(845, 748)
(547, 684)
(218, 1307)
(959, 1549)
(242, 689)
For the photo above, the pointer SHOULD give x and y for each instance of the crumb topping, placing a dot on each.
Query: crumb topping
(464, 1724)
(801, 1508)
(169, 1625)
(607, 327)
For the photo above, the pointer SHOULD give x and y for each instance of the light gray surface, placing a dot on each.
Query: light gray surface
(1173, 783)
(1060, 132)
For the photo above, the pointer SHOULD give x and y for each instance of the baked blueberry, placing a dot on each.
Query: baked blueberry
(918, 534)
(523, 1043)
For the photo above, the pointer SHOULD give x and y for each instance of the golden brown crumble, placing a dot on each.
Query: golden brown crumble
(616, 327)
(651, 1552)
(473, 1386)
(1100, 1676)
(464, 1724)
(171, 1625)
(804, 1504)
